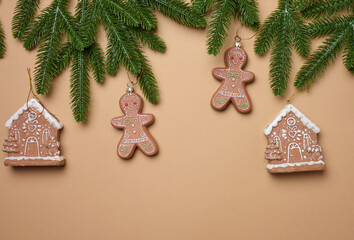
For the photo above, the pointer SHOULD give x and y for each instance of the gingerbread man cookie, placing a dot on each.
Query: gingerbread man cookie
(134, 124)
(233, 79)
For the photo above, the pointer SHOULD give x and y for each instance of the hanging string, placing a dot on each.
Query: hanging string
(130, 83)
(32, 91)
(238, 38)
(293, 95)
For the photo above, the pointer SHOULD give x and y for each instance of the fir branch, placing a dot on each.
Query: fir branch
(202, 6)
(47, 56)
(247, 13)
(300, 5)
(320, 59)
(149, 38)
(327, 8)
(71, 27)
(2, 41)
(120, 48)
(267, 31)
(178, 11)
(64, 57)
(282, 29)
(80, 85)
(123, 11)
(348, 55)
(147, 16)
(280, 61)
(36, 30)
(25, 11)
(299, 35)
(147, 81)
(323, 27)
(219, 25)
(96, 61)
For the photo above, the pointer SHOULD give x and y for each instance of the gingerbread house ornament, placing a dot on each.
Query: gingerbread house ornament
(33, 138)
(292, 143)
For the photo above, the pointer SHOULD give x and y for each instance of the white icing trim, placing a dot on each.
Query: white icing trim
(56, 158)
(290, 108)
(34, 103)
(284, 165)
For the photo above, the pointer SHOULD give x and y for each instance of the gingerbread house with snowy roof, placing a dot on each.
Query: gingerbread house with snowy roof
(33, 138)
(292, 143)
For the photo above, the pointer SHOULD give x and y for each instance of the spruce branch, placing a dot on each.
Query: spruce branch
(147, 80)
(178, 11)
(326, 8)
(320, 59)
(96, 61)
(202, 6)
(80, 85)
(339, 30)
(219, 25)
(25, 12)
(246, 11)
(2, 41)
(145, 13)
(283, 29)
(300, 5)
(149, 38)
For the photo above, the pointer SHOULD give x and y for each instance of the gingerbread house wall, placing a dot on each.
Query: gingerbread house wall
(293, 139)
(32, 133)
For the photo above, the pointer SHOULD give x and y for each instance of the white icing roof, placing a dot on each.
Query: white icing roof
(34, 103)
(290, 108)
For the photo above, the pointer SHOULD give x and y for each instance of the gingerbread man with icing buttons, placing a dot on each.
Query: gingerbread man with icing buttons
(135, 127)
(233, 79)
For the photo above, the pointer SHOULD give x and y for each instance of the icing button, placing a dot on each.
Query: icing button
(233, 79)
(134, 132)
(133, 125)
(233, 86)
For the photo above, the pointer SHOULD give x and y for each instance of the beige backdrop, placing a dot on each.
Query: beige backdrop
(209, 180)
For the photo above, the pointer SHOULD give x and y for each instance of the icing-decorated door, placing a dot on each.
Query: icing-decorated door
(31, 147)
(294, 152)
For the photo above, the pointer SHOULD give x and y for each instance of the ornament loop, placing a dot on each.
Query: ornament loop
(237, 41)
(130, 84)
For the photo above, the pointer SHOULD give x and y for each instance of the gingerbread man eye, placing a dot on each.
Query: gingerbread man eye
(126, 104)
(134, 103)
(240, 58)
(232, 57)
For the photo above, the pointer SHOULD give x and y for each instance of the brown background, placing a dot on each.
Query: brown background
(209, 180)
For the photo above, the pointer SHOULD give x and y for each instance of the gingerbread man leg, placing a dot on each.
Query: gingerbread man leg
(218, 101)
(126, 150)
(243, 104)
(149, 147)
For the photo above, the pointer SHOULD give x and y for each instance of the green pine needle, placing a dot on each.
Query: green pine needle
(326, 8)
(326, 26)
(219, 25)
(2, 42)
(120, 48)
(300, 5)
(247, 13)
(348, 56)
(283, 29)
(25, 11)
(149, 38)
(123, 11)
(146, 15)
(80, 85)
(320, 59)
(178, 11)
(147, 80)
(202, 6)
(96, 61)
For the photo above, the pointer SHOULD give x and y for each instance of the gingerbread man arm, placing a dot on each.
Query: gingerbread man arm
(247, 76)
(219, 73)
(146, 119)
(118, 122)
